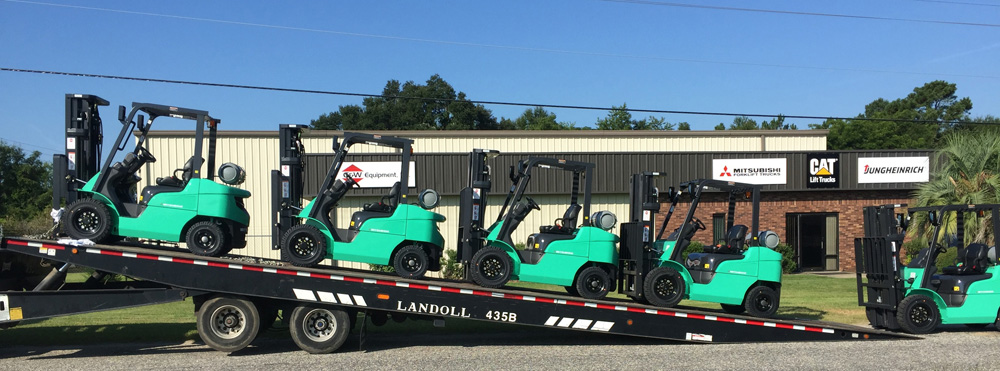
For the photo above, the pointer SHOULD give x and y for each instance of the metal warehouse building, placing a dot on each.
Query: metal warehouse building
(812, 197)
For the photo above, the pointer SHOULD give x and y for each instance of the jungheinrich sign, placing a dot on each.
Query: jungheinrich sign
(376, 174)
(893, 169)
(751, 170)
(823, 170)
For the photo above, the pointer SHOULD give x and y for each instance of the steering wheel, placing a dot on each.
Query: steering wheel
(532, 204)
(144, 154)
(698, 225)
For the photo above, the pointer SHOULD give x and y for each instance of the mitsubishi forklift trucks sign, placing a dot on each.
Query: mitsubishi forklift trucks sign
(376, 174)
(751, 170)
(893, 169)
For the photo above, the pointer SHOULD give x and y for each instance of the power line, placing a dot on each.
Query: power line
(497, 46)
(956, 2)
(790, 12)
(29, 145)
(484, 102)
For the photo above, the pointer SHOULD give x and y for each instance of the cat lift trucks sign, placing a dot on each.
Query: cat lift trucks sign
(823, 170)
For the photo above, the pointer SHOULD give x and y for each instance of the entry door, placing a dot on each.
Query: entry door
(814, 238)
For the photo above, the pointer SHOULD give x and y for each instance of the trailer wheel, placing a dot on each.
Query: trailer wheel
(228, 324)
(411, 261)
(304, 245)
(664, 287)
(733, 309)
(762, 301)
(207, 239)
(493, 267)
(918, 314)
(593, 283)
(319, 330)
(87, 219)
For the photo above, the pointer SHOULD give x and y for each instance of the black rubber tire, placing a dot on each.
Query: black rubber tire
(304, 245)
(918, 314)
(996, 324)
(411, 261)
(762, 301)
(592, 283)
(228, 323)
(733, 309)
(492, 267)
(379, 318)
(571, 290)
(87, 218)
(319, 329)
(664, 287)
(207, 239)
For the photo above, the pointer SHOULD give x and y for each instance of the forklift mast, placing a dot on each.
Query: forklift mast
(636, 255)
(472, 210)
(81, 160)
(879, 270)
(286, 184)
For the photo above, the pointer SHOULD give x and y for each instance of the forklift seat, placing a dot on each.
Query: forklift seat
(972, 260)
(568, 221)
(186, 172)
(388, 202)
(734, 241)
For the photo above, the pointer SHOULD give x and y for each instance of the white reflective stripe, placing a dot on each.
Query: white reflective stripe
(590, 305)
(560, 301)
(497, 294)
(270, 270)
(582, 324)
(619, 307)
(302, 274)
(711, 318)
(528, 298)
(326, 296)
(93, 251)
(434, 288)
(165, 259)
(34, 244)
(740, 321)
(345, 299)
(5, 310)
(369, 280)
(602, 326)
(465, 291)
(402, 284)
(654, 311)
(338, 278)
(552, 321)
(235, 266)
(565, 322)
(827, 331)
(797, 327)
(129, 255)
(770, 324)
(200, 262)
(304, 294)
(360, 300)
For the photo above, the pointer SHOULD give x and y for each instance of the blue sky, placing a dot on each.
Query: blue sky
(581, 52)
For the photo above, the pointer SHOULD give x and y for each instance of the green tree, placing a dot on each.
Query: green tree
(934, 101)
(969, 174)
(683, 126)
(25, 183)
(619, 118)
(535, 119)
(746, 123)
(434, 105)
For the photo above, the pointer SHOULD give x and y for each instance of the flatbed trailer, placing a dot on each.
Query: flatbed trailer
(165, 276)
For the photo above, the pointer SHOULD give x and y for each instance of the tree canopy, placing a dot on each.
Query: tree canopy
(934, 102)
(746, 123)
(535, 119)
(25, 183)
(619, 118)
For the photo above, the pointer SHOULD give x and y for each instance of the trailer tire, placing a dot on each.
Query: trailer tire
(664, 287)
(304, 245)
(87, 218)
(493, 267)
(319, 330)
(762, 301)
(207, 239)
(592, 283)
(733, 309)
(411, 261)
(918, 314)
(228, 323)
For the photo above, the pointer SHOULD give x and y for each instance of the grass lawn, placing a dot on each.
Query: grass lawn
(803, 296)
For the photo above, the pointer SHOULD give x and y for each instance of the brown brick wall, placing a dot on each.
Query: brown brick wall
(775, 206)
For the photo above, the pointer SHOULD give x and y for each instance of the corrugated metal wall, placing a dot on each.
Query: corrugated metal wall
(257, 153)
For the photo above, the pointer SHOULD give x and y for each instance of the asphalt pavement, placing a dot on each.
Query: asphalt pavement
(954, 348)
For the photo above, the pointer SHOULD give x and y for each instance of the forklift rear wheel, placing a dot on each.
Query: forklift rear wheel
(207, 239)
(996, 325)
(228, 323)
(411, 262)
(493, 267)
(762, 301)
(664, 287)
(733, 309)
(304, 245)
(319, 330)
(918, 314)
(593, 283)
(87, 219)
(571, 290)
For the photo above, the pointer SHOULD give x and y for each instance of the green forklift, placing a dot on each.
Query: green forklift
(580, 258)
(388, 232)
(210, 217)
(916, 297)
(742, 272)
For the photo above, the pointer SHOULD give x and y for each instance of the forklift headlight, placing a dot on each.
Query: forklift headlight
(232, 174)
(428, 199)
(604, 220)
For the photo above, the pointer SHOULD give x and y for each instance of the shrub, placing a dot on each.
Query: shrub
(694, 246)
(788, 264)
(451, 269)
(911, 248)
(381, 268)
